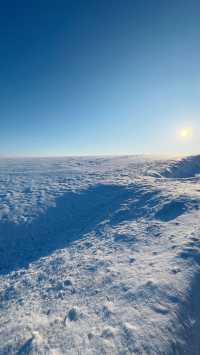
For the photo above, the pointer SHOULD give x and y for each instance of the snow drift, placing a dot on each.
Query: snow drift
(183, 168)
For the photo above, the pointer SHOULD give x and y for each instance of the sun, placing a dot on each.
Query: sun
(185, 133)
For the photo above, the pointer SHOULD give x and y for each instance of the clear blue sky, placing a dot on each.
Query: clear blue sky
(99, 76)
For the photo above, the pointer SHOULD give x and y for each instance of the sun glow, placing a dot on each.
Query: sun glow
(185, 133)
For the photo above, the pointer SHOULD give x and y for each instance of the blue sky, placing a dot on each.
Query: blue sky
(99, 77)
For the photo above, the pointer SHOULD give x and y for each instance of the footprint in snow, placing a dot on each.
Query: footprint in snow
(67, 282)
(73, 315)
(131, 260)
(176, 270)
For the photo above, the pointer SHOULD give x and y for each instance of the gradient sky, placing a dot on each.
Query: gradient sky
(99, 77)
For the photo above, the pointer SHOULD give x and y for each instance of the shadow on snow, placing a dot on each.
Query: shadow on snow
(75, 214)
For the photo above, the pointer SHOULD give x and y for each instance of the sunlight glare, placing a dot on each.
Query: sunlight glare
(185, 133)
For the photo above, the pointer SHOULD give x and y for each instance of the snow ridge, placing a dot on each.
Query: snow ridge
(183, 168)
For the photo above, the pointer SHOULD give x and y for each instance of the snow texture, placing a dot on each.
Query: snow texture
(100, 256)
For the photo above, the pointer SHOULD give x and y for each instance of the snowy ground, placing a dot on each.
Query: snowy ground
(100, 256)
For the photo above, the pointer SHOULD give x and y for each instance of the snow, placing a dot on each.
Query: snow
(100, 255)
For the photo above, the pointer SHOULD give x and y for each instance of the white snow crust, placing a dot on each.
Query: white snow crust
(100, 256)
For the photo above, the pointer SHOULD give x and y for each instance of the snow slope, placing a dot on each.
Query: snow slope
(100, 256)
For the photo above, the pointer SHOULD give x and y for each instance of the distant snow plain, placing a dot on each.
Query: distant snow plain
(100, 256)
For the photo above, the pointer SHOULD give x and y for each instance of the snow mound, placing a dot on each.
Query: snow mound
(184, 168)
